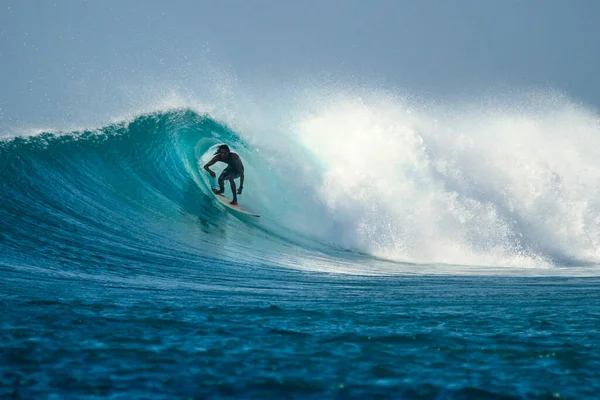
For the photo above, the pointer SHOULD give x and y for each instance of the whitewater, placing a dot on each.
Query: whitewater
(407, 248)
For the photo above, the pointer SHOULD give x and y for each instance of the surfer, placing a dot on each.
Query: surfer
(234, 170)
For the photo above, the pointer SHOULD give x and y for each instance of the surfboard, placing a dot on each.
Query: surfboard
(225, 201)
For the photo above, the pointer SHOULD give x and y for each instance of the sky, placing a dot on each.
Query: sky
(65, 59)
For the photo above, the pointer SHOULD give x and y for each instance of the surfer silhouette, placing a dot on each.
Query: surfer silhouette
(234, 170)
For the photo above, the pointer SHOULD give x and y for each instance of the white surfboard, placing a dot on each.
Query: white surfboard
(226, 202)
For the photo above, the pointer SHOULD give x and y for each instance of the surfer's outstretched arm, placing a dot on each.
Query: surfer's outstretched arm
(208, 164)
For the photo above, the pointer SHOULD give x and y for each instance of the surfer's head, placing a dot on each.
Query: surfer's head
(223, 150)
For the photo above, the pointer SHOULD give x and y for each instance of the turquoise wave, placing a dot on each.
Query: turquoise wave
(130, 195)
(133, 195)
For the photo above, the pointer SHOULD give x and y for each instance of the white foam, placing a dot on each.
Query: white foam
(507, 184)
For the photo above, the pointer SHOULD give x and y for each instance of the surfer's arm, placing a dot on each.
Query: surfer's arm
(208, 164)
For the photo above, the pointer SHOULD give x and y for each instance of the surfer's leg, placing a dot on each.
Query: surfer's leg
(224, 175)
(231, 178)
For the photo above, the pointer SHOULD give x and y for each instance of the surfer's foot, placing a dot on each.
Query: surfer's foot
(215, 191)
(233, 203)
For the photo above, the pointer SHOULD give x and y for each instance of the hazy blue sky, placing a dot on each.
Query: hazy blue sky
(60, 55)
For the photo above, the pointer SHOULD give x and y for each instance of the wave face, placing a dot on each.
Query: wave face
(353, 178)
(126, 194)
(131, 196)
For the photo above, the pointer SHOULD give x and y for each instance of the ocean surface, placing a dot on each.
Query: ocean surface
(398, 255)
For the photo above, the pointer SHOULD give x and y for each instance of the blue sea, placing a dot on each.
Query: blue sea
(400, 254)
